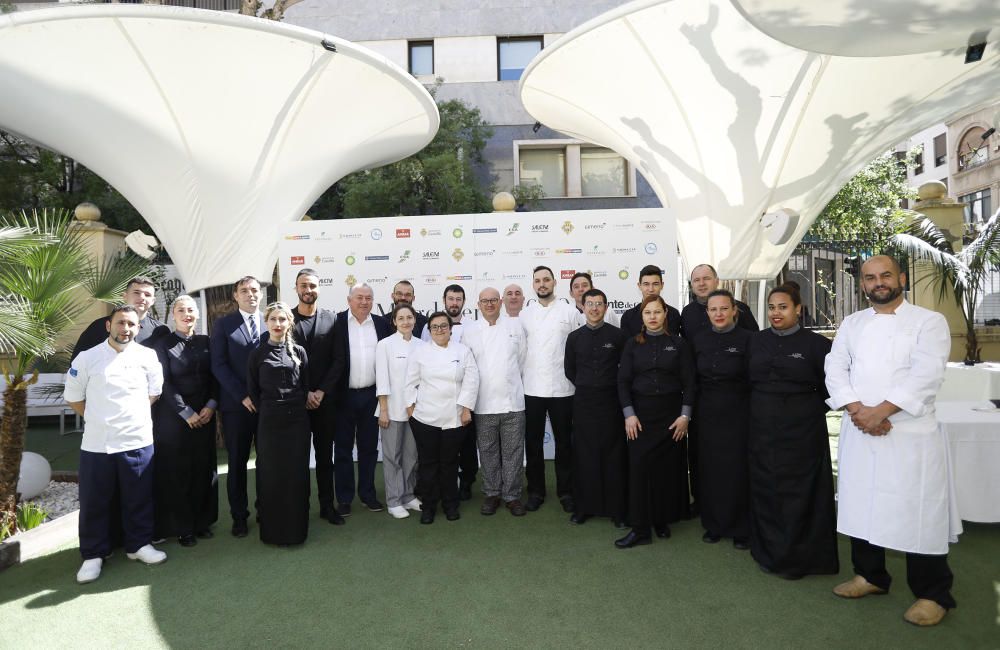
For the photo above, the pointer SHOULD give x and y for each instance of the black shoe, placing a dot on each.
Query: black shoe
(740, 543)
(333, 517)
(578, 519)
(490, 506)
(710, 538)
(426, 516)
(617, 523)
(240, 528)
(374, 505)
(187, 540)
(205, 534)
(516, 508)
(567, 504)
(464, 492)
(663, 532)
(344, 509)
(452, 515)
(633, 539)
(534, 502)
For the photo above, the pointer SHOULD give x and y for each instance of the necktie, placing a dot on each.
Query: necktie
(254, 336)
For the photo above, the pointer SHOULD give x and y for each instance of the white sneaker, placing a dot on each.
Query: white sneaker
(148, 555)
(413, 505)
(89, 571)
(399, 512)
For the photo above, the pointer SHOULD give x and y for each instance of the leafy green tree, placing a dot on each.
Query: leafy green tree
(43, 267)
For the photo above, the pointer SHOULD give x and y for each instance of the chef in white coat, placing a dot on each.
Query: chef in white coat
(895, 490)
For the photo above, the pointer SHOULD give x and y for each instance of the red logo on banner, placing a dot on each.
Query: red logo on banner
(402, 233)
(298, 260)
(566, 274)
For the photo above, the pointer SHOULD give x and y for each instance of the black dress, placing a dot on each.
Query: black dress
(792, 516)
(277, 386)
(599, 458)
(185, 480)
(722, 417)
(656, 379)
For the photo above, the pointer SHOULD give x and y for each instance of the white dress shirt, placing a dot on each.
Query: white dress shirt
(440, 381)
(896, 490)
(457, 330)
(256, 317)
(546, 329)
(362, 340)
(391, 356)
(500, 351)
(117, 387)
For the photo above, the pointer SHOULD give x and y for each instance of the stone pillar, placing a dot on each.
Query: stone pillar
(504, 202)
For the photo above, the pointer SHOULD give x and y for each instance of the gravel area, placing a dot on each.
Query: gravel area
(58, 499)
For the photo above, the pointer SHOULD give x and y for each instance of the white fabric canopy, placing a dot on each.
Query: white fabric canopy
(218, 128)
(728, 124)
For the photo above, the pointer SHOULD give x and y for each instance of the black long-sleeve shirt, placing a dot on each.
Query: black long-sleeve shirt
(694, 319)
(722, 359)
(592, 356)
(188, 382)
(662, 365)
(789, 364)
(273, 376)
(632, 321)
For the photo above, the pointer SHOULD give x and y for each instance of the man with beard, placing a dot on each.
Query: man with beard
(140, 292)
(468, 461)
(314, 331)
(694, 317)
(884, 370)
(403, 294)
(513, 301)
(547, 323)
(650, 284)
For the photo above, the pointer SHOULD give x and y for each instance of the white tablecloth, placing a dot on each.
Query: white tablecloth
(974, 443)
(964, 383)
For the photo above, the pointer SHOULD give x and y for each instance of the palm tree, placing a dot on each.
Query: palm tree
(964, 272)
(43, 265)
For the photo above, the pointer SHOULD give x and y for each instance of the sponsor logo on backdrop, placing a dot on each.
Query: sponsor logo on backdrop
(651, 248)
(326, 282)
(350, 280)
(350, 260)
(376, 258)
(624, 226)
(298, 260)
(376, 234)
(650, 225)
(514, 252)
(381, 280)
(296, 237)
(489, 253)
(513, 228)
(540, 227)
(515, 276)
(596, 250)
(431, 255)
(598, 274)
(405, 256)
(430, 232)
(540, 252)
(626, 250)
(457, 254)
(323, 260)
(487, 277)
(350, 235)
(402, 233)
(323, 237)
(568, 251)
(432, 279)
(454, 278)
(483, 231)
(566, 274)
(595, 226)
(567, 227)
(623, 274)
(457, 233)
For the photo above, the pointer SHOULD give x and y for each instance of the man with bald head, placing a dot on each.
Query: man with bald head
(894, 491)
(513, 301)
(356, 334)
(499, 348)
(694, 317)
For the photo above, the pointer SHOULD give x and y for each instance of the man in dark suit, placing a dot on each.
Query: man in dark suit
(314, 332)
(357, 333)
(234, 336)
(650, 284)
(694, 317)
(402, 294)
(140, 292)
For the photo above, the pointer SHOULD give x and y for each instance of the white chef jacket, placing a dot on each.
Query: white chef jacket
(546, 329)
(391, 356)
(500, 351)
(457, 330)
(117, 387)
(895, 490)
(361, 340)
(440, 381)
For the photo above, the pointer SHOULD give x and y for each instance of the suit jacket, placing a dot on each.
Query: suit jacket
(230, 346)
(342, 349)
(323, 372)
(150, 331)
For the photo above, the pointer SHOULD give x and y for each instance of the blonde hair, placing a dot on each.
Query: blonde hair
(184, 298)
(287, 340)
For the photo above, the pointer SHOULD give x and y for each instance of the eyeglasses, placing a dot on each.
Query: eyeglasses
(442, 327)
(488, 301)
(591, 303)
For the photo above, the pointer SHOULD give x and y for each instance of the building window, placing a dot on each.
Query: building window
(602, 173)
(972, 150)
(940, 150)
(545, 167)
(421, 58)
(978, 208)
(514, 54)
(572, 169)
(918, 163)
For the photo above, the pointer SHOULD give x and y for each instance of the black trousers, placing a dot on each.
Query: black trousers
(468, 456)
(322, 425)
(928, 576)
(560, 412)
(437, 464)
(692, 461)
(132, 472)
(239, 429)
(355, 423)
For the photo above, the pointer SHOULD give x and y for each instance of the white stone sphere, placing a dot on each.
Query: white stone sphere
(35, 475)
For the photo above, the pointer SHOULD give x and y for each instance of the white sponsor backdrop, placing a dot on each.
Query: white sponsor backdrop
(478, 251)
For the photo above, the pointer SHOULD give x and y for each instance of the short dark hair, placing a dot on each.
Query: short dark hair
(400, 307)
(439, 314)
(786, 289)
(590, 293)
(651, 269)
(453, 288)
(122, 309)
(707, 266)
(581, 274)
(246, 279)
(141, 280)
(542, 267)
(311, 272)
(724, 294)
